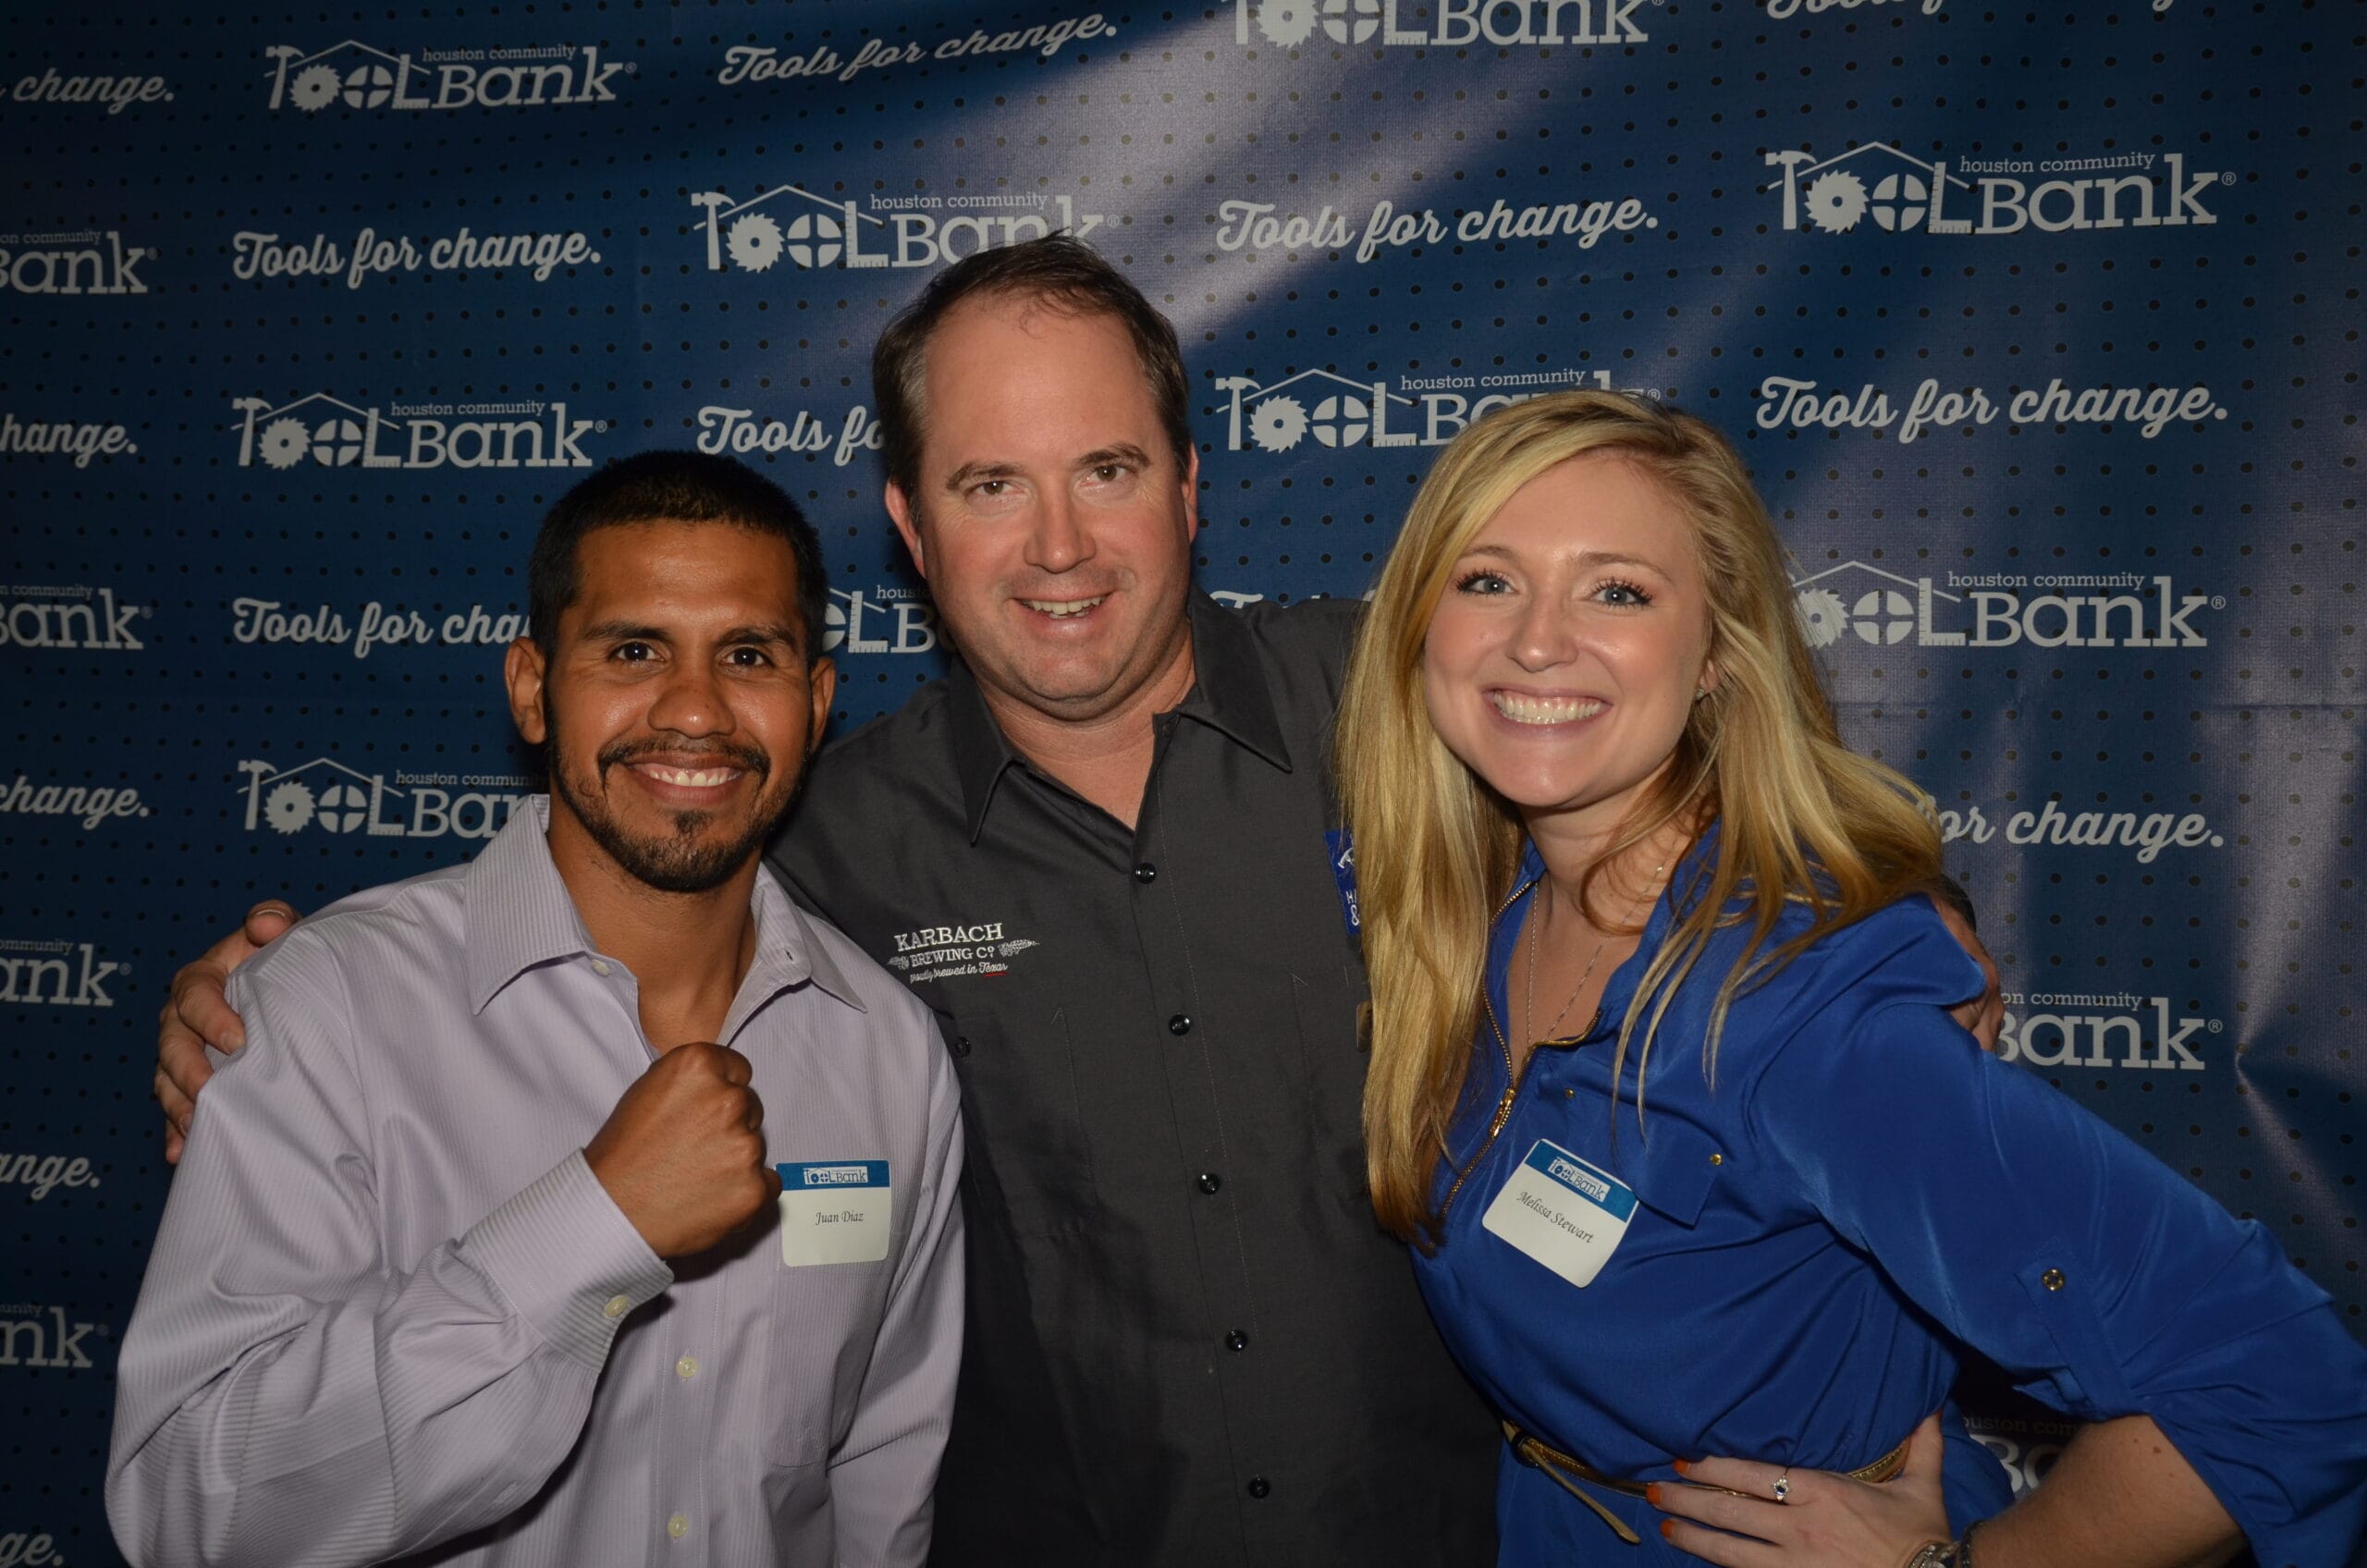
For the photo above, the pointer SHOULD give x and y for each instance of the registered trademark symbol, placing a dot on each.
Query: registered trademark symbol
(2214, 1027)
(2226, 176)
(2218, 601)
(633, 68)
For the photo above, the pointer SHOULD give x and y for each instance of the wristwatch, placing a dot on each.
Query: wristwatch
(1938, 1554)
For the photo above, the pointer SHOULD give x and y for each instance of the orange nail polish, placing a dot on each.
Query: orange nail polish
(1680, 1465)
(1653, 1494)
(1668, 1529)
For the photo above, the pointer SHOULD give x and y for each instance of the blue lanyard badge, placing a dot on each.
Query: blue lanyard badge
(1344, 872)
(1563, 1212)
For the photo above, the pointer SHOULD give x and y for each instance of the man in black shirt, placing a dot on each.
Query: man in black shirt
(1104, 850)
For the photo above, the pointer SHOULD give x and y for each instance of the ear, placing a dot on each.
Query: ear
(1191, 494)
(521, 672)
(822, 683)
(907, 521)
(1707, 680)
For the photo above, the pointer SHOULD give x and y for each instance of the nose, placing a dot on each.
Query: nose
(692, 701)
(1059, 541)
(1546, 635)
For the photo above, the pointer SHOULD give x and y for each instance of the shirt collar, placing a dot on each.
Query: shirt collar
(1229, 694)
(521, 917)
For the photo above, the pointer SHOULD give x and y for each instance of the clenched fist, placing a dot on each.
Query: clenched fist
(683, 1153)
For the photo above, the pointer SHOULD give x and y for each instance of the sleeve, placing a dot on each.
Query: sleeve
(883, 1472)
(2104, 1282)
(286, 1392)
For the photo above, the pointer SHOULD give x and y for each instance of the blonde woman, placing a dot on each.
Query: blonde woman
(1666, 1093)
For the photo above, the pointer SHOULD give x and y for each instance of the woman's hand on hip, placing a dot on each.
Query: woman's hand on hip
(1825, 1520)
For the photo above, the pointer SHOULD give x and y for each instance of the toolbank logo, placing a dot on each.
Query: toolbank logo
(1903, 194)
(50, 974)
(356, 76)
(887, 619)
(1857, 603)
(330, 432)
(1379, 24)
(2102, 1029)
(1337, 410)
(326, 796)
(790, 223)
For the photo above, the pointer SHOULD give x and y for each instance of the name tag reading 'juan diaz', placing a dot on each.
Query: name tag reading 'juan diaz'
(1564, 1213)
(835, 1211)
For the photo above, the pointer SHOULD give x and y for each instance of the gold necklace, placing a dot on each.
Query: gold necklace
(1529, 992)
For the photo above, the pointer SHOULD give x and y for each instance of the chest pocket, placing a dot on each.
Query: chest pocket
(1023, 1125)
(1672, 1172)
(820, 1322)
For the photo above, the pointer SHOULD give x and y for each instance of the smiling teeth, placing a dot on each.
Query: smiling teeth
(1059, 609)
(699, 778)
(1543, 710)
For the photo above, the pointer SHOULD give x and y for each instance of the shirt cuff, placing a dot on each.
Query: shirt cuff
(565, 1257)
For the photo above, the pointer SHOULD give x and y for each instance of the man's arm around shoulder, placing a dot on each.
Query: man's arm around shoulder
(287, 1393)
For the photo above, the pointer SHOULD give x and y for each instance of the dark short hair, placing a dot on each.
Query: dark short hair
(1950, 892)
(689, 487)
(1057, 269)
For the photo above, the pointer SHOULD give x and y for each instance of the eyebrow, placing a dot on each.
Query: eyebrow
(738, 636)
(1589, 559)
(972, 474)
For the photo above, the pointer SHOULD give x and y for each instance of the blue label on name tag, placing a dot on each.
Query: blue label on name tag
(1576, 1177)
(1344, 872)
(832, 1173)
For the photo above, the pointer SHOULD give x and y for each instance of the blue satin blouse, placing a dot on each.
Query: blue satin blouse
(1863, 1192)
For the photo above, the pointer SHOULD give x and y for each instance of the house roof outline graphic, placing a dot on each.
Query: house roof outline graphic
(1361, 386)
(1913, 585)
(301, 61)
(266, 782)
(834, 208)
(1929, 170)
(287, 409)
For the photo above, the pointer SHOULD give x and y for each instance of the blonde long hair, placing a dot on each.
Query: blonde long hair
(1803, 820)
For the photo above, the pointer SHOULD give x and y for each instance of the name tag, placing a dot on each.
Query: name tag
(1344, 872)
(1566, 1214)
(835, 1211)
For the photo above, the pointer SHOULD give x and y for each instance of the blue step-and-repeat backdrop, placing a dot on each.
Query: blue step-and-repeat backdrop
(2039, 324)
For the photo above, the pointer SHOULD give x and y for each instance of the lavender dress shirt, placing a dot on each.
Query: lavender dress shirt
(391, 1313)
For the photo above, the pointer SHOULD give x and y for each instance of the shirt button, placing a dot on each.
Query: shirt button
(1145, 874)
(961, 1045)
(688, 1366)
(678, 1526)
(1210, 1181)
(2051, 1279)
(1257, 1487)
(599, 966)
(1180, 1024)
(617, 1305)
(1237, 1341)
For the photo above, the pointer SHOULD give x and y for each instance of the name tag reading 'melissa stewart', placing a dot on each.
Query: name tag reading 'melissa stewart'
(1564, 1213)
(835, 1211)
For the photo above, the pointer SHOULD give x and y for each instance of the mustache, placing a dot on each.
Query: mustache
(749, 758)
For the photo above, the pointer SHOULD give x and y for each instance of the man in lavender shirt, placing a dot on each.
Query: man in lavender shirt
(588, 1203)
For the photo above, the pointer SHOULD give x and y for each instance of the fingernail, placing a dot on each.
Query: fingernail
(1668, 1529)
(1679, 1465)
(1653, 1494)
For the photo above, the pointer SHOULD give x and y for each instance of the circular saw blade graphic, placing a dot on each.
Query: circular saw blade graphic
(285, 442)
(1823, 617)
(1279, 424)
(316, 89)
(1836, 201)
(288, 807)
(1286, 22)
(754, 241)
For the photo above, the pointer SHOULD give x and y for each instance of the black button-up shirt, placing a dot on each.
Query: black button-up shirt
(1188, 1341)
